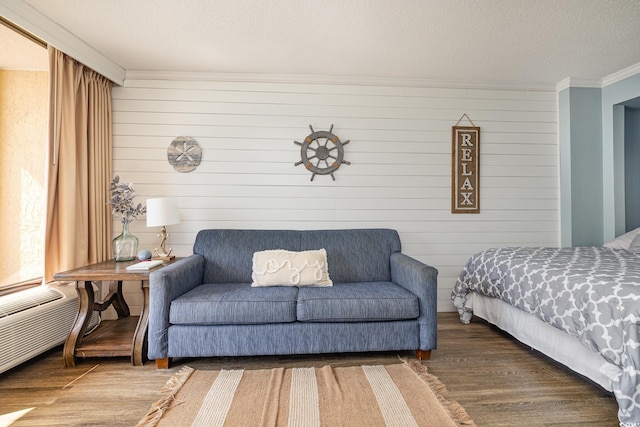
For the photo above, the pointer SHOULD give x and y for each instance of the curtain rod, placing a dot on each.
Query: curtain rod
(22, 32)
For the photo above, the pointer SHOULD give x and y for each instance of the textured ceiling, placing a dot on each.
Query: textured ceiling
(517, 41)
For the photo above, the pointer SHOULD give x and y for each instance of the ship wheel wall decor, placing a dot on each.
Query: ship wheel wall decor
(322, 152)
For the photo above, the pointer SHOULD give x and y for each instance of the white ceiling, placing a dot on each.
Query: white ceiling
(499, 41)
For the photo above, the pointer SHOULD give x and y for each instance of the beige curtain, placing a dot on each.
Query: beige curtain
(78, 218)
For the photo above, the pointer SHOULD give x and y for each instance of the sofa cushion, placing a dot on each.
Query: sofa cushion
(234, 303)
(354, 256)
(288, 268)
(356, 302)
(228, 253)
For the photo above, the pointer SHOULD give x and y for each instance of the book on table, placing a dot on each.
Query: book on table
(145, 265)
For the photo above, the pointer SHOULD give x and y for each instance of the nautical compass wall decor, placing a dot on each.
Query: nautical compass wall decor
(322, 152)
(184, 154)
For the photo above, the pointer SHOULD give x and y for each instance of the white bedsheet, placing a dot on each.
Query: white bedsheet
(553, 342)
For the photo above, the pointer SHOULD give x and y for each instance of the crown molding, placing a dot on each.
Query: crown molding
(604, 82)
(569, 82)
(621, 75)
(34, 22)
(332, 80)
(563, 84)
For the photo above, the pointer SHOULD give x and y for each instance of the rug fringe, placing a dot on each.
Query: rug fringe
(457, 412)
(172, 387)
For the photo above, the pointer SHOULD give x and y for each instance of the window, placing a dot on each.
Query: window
(23, 142)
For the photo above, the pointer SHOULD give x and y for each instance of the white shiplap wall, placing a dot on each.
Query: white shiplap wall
(400, 154)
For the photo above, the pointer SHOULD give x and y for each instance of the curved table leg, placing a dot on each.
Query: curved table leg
(86, 299)
(119, 303)
(115, 298)
(139, 350)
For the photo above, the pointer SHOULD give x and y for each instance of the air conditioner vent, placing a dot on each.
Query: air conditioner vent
(41, 319)
(20, 301)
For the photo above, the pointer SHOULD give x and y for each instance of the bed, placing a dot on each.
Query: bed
(580, 306)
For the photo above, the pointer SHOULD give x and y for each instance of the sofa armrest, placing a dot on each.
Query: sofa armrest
(165, 285)
(421, 280)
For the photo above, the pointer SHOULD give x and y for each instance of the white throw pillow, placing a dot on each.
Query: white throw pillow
(279, 267)
(623, 241)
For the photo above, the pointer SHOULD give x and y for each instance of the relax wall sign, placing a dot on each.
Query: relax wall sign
(465, 186)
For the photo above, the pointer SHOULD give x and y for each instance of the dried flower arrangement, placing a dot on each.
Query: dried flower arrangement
(122, 201)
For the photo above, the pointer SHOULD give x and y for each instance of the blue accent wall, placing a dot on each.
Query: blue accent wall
(580, 134)
(632, 167)
(615, 100)
(599, 149)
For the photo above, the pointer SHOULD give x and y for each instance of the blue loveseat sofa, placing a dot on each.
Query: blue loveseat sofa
(204, 305)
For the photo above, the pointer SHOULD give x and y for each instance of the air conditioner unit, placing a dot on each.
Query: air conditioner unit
(35, 320)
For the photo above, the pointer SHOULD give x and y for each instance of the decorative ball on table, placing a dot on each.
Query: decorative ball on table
(144, 255)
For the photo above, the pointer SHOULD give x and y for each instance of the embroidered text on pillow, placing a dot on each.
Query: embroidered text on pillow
(273, 266)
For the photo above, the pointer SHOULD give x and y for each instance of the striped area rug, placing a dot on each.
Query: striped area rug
(400, 395)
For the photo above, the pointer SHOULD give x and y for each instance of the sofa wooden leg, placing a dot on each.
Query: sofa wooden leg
(162, 363)
(423, 354)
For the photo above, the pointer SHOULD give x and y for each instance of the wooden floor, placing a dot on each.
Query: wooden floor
(497, 380)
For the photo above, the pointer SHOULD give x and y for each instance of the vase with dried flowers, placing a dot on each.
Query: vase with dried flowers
(125, 246)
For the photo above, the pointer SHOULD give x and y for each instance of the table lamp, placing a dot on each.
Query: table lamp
(161, 212)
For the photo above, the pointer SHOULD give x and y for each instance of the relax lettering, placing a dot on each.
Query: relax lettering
(466, 157)
(467, 199)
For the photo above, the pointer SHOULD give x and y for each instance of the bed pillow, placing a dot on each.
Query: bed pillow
(623, 241)
(279, 267)
(635, 245)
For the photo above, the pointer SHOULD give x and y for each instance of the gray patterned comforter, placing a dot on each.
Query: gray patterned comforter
(592, 293)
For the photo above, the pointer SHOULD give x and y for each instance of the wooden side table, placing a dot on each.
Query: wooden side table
(122, 337)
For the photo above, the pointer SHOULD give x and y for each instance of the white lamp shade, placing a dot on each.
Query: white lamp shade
(162, 211)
